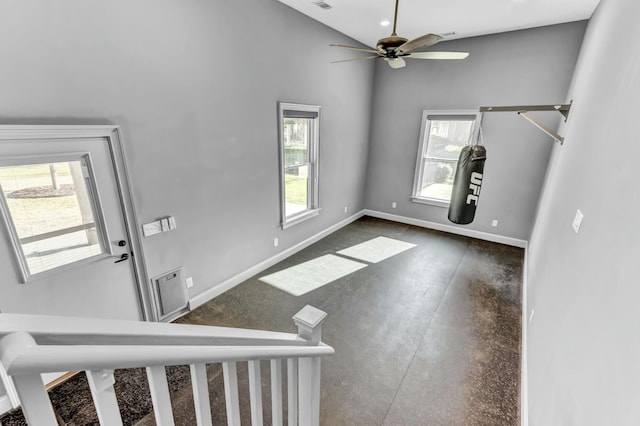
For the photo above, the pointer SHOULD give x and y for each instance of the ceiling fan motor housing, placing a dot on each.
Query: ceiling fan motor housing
(390, 44)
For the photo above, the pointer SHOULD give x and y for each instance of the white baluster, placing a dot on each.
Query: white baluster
(309, 321)
(292, 389)
(104, 396)
(36, 405)
(255, 392)
(309, 380)
(201, 394)
(276, 392)
(160, 396)
(230, 373)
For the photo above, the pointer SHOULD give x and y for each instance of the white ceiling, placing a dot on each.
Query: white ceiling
(360, 19)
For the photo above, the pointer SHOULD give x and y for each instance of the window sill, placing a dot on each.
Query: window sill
(294, 220)
(430, 201)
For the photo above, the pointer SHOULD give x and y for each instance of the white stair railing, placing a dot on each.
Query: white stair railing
(32, 344)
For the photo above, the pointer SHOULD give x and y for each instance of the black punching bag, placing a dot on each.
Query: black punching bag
(466, 185)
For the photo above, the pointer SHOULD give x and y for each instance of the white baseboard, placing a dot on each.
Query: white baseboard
(10, 399)
(215, 291)
(5, 404)
(449, 228)
(524, 370)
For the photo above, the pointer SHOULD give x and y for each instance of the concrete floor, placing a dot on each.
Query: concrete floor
(430, 336)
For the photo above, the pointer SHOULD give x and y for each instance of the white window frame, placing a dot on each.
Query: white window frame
(103, 238)
(313, 208)
(424, 143)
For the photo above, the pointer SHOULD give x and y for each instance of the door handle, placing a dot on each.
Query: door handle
(124, 257)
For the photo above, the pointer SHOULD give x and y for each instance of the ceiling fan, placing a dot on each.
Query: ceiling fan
(395, 49)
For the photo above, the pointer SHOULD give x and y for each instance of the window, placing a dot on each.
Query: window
(442, 136)
(299, 135)
(49, 208)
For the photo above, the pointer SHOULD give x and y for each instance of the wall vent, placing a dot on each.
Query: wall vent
(322, 4)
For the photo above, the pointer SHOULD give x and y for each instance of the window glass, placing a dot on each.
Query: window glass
(296, 141)
(444, 136)
(51, 213)
(296, 189)
(299, 128)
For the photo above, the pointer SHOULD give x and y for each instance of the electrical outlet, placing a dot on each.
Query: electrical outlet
(275, 242)
(494, 223)
(577, 221)
(393, 205)
(345, 209)
(189, 282)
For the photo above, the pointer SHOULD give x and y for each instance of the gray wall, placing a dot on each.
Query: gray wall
(194, 85)
(583, 339)
(524, 67)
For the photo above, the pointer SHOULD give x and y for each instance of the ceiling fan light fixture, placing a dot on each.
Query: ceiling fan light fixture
(396, 63)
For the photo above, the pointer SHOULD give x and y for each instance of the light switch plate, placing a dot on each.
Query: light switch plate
(577, 221)
(151, 228)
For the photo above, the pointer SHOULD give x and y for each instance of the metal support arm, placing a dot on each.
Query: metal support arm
(523, 110)
(561, 108)
(531, 120)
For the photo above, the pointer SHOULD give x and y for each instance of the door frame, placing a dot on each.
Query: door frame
(112, 134)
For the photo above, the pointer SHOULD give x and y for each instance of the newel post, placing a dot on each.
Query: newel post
(309, 321)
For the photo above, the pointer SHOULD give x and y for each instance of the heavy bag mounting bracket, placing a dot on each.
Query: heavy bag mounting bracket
(523, 111)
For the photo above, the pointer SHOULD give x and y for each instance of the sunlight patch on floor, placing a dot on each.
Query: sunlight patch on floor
(377, 249)
(310, 275)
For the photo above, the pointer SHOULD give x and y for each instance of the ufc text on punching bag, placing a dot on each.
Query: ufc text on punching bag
(467, 184)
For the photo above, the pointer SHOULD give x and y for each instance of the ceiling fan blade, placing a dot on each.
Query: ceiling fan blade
(438, 55)
(417, 43)
(360, 49)
(356, 59)
(396, 63)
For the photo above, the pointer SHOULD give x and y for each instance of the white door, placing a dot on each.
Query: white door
(65, 248)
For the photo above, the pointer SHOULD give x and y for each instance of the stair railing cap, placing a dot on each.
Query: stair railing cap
(309, 317)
